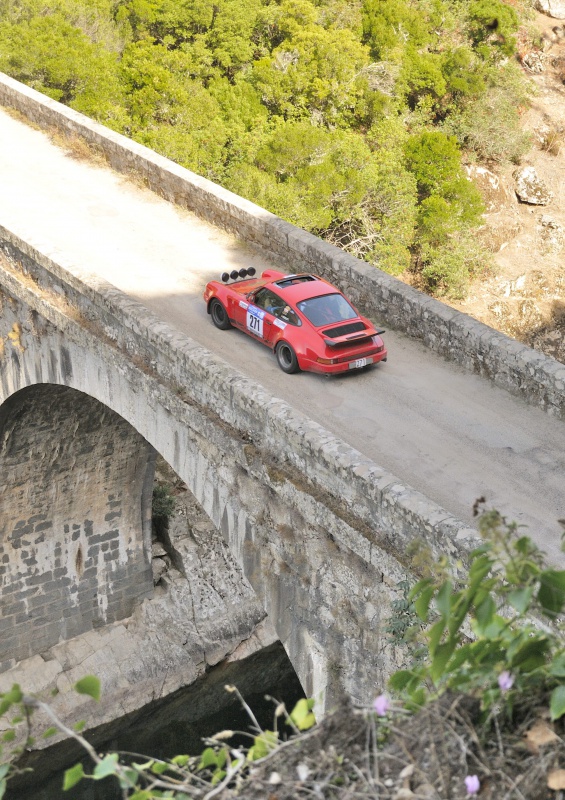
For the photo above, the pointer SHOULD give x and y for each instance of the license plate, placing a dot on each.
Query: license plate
(360, 362)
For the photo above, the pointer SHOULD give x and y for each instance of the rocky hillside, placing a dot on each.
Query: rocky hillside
(524, 295)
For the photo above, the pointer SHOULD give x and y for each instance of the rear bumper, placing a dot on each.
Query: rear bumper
(346, 366)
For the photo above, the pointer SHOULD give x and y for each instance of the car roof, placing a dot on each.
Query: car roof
(295, 288)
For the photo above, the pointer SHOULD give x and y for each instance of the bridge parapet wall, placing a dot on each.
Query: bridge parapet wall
(540, 380)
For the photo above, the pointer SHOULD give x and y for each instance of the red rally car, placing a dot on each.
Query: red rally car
(306, 321)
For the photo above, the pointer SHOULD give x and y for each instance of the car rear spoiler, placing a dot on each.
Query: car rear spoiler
(341, 340)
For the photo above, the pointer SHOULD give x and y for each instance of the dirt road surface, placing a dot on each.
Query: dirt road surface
(447, 433)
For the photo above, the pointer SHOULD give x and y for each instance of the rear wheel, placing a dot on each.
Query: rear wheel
(219, 315)
(286, 358)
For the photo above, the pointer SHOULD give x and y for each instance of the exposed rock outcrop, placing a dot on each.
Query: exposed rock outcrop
(530, 188)
(553, 8)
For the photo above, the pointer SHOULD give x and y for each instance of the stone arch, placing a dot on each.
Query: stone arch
(75, 518)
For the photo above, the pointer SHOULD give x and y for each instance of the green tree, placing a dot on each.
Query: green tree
(449, 206)
(315, 74)
(492, 27)
(58, 59)
(390, 25)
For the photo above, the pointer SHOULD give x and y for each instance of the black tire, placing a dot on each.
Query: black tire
(287, 358)
(219, 315)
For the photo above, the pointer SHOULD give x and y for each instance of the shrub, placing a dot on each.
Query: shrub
(163, 505)
(446, 270)
(492, 633)
(493, 24)
(490, 127)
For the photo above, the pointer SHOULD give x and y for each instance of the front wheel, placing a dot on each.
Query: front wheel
(219, 315)
(287, 358)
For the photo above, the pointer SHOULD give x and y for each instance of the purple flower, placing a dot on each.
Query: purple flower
(505, 681)
(472, 784)
(381, 705)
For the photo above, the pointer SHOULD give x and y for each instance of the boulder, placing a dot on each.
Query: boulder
(553, 8)
(530, 188)
(495, 194)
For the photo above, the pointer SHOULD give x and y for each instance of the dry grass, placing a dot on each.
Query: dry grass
(425, 757)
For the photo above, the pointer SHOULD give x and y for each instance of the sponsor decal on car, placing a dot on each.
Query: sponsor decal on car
(280, 324)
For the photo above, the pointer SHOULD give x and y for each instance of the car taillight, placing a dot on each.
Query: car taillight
(327, 360)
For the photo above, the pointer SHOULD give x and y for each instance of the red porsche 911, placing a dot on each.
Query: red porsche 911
(306, 321)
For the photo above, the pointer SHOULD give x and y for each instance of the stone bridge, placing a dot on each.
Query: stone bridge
(93, 387)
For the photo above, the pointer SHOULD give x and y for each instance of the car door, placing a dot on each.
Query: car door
(255, 315)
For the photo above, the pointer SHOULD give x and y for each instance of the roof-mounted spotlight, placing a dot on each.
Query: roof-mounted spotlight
(251, 271)
(225, 277)
(242, 273)
(234, 275)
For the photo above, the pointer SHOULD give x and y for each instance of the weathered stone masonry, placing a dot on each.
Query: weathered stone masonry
(75, 493)
(319, 530)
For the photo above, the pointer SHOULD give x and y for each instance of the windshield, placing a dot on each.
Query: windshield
(327, 309)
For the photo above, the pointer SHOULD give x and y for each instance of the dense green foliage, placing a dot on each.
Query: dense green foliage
(349, 118)
(497, 634)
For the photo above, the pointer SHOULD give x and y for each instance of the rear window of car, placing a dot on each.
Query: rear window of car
(326, 309)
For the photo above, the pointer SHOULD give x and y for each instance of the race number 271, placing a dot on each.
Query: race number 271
(254, 323)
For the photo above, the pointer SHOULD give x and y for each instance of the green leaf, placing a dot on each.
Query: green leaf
(417, 700)
(419, 587)
(530, 655)
(556, 667)
(484, 614)
(80, 725)
(159, 768)
(520, 599)
(551, 592)
(441, 657)
(557, 702)
(49, 732)
(106, 767)
(401, 679)
(218, 776)
(443, 599)
(73, 776)
(129, 779)
(181, 761)
(89, 685)
(9, 735)
(435, 634)
(208, 758)
(492, 629)
(3, 785)
(262, 745)
(480, 568)
(4, 768)
(422, 603)
(143, 767)
(301, 715)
